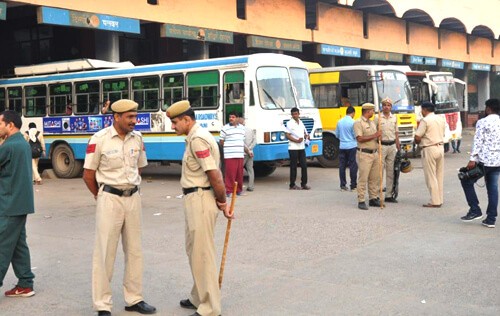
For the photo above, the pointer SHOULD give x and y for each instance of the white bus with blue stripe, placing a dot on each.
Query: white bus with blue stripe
(262, 87)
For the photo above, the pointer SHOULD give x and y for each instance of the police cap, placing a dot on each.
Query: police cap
(386, 100)
(124, 105)
(368, 106)
(178, 108)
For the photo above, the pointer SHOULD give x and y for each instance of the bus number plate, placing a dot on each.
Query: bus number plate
(314, 148)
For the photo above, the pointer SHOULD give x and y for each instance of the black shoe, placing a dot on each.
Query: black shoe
(471, 216)
(489, 223)
(249, 189)
(362, 206)
(104, 313)
(391, 200)
(195, 314)
(306, 187)
(187, 304)
(344, 188)
(353, 189)
(142, 308)
(374, 202)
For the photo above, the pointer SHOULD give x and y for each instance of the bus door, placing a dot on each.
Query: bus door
(234, 94)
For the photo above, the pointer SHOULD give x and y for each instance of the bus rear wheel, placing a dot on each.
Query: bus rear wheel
(263, 169)
(330, 157)
(64, 163)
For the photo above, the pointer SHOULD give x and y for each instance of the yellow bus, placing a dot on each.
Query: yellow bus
(334, 88)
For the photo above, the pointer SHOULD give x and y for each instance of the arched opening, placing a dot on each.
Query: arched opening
(418, 16)
(483, 31)
(381, 7)
(453, 24)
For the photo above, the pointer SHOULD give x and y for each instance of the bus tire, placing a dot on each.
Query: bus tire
(330, 157)
(263, 169)
(64, 163)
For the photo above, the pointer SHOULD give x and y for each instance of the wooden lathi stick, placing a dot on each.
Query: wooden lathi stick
(228, 231)
(380, 164)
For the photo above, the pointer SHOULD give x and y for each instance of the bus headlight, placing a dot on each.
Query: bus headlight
(274, 136)
(282, 136)
(318, 133)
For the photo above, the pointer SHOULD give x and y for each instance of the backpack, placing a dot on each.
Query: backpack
(36, 147)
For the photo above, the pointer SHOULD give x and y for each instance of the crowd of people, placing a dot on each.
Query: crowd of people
(366, 144)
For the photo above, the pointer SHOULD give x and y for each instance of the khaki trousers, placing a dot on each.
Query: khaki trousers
(115, 216)
(368, 173)
(34, 165)
(388, 157)
(201, 215)
(433, 164)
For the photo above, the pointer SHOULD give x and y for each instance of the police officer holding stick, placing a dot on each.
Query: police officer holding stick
(204, 196)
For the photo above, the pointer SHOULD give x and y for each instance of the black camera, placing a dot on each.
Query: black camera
(472, 174)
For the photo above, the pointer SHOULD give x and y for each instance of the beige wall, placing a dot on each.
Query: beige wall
(337, 25)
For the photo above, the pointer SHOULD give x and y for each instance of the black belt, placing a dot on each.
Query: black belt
(368, 151)
(388, 142)
(115, 191)
(191, 190)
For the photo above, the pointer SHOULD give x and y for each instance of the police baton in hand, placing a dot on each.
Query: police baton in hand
(228, 231)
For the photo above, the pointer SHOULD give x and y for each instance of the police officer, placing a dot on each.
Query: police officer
(204, 195)
(390, 145)
(368, 162)
(115, 157)
(429, 136)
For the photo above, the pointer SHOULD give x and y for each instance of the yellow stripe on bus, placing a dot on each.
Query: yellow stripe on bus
(324, 77)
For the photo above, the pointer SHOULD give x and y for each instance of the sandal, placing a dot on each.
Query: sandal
(432, 205)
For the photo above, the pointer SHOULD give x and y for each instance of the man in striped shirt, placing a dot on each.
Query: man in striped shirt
(232, 140)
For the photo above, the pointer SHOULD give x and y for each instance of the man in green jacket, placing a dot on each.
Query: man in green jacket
(16, 201)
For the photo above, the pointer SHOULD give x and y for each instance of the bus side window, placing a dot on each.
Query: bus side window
(2, 100)
(203, 89)
(173, 89)
(36, 100)
(86, 97)
(15, 99)
(146, 91)
(61, 99)
(115, 89)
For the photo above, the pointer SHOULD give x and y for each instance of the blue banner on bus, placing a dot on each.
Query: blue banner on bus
(89, 123)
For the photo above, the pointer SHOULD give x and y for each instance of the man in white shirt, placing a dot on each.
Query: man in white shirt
(297, 135)
(250, 143)
(486, 153)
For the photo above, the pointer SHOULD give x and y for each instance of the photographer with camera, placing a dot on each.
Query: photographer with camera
(485, 153)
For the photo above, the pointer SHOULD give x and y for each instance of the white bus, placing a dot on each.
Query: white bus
(261, 87)
(439, 88)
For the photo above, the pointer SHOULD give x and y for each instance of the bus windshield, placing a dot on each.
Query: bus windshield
(395, 85)
(446, 94)
(301, 87)
(275, 88)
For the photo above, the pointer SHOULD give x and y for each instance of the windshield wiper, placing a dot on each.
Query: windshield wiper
(272, 100)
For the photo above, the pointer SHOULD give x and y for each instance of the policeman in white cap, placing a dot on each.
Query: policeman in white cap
(115, 157)
(367, 137)
(204, 196)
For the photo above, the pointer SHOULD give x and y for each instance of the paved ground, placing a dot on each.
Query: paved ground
(290, 253)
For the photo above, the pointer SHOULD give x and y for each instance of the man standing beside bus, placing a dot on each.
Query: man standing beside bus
(16, 202)
(390, 145)
(368, 164)
(347, 152)
(115, 157)
(297, 137)
(250, 143)
(204, 196)
(429, 136)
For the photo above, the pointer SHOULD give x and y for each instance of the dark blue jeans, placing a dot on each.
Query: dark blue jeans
(491, 175)
(347, 159)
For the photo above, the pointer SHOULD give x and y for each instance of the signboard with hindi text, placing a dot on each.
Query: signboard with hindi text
(273, 43)
(196, 33)
(90, 20)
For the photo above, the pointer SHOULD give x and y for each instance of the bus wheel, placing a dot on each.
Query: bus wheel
(330, 157)
(263, 169)
(64, 163)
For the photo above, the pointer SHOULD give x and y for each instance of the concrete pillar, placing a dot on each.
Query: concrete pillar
(483, 89)
(197, 50)
(107, 46)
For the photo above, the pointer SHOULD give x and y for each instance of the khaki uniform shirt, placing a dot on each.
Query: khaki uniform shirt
(201, 155)
(431, 130)
(388, 125)
(116, 161)
(365, 127)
